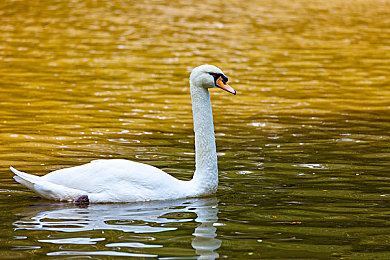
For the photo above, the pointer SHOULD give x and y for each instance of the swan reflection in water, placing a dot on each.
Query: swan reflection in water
(140, 218)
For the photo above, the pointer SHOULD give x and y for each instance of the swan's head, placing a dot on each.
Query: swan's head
(209, 76)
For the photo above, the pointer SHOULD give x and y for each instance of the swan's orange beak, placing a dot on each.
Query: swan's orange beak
(221, 84)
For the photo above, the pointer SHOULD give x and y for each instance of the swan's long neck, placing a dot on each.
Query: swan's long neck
(206, 168)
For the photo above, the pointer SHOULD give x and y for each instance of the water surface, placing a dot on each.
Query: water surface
(303, 147)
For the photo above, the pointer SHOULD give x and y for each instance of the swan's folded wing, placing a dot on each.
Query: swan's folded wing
(103, 175)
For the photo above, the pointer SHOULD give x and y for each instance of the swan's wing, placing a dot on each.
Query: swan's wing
(103, 175)
(106, 181)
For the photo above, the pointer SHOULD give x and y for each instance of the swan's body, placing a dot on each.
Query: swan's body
(118, 180)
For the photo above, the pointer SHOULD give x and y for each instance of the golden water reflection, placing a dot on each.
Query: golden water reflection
(134, 222)
(306, 139)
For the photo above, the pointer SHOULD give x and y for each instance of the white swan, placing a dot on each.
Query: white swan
(117, 180)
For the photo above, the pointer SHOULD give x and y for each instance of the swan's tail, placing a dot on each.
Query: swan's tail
(25, 179)
(44, 188)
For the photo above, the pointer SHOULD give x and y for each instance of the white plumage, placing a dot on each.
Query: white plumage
(118, 180)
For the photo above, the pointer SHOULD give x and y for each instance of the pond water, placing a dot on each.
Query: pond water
(304, 147)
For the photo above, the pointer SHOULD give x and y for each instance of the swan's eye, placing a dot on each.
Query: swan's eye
(217, 75)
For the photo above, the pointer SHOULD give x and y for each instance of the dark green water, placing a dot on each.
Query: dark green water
(304, 147)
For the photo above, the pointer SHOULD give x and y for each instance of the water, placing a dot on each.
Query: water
(303, 148)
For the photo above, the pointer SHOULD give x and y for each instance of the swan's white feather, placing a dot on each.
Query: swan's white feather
(118, 180)
(113, 180)
(100, 175)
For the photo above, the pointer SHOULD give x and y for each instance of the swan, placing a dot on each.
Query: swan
(119, 180)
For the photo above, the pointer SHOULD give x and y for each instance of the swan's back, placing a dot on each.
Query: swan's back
(103, 175)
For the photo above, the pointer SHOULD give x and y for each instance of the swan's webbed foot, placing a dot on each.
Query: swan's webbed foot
(83, 199)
